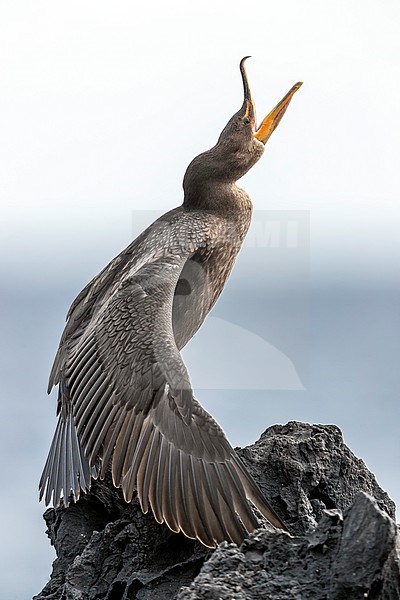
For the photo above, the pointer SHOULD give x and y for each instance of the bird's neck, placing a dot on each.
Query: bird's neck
(224, 198)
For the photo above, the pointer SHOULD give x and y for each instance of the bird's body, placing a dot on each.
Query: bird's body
(125, 398)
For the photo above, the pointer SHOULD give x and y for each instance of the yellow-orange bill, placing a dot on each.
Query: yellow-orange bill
(271, 121)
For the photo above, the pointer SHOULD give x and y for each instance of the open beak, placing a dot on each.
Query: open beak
(271, 121)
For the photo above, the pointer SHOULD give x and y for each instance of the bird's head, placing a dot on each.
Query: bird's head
(241, 137)
(240, 144)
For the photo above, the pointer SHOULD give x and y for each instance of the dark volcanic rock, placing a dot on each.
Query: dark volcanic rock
(342, 559)
(108, 549)
(305, 469)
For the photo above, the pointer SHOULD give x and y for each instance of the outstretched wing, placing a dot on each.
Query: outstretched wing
(133, 408)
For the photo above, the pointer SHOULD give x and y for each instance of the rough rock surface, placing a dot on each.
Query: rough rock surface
(107, 549)
(341, 559)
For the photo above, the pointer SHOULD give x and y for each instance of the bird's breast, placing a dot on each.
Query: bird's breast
(203, 277)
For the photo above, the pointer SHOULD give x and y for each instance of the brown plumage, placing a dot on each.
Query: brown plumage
(125, 400)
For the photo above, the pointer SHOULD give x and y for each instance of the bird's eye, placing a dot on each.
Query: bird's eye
(246, 120)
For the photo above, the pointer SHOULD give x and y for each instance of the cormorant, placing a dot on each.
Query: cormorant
(125, 400)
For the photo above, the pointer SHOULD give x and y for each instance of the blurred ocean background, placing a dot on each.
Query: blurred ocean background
(101, 110)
